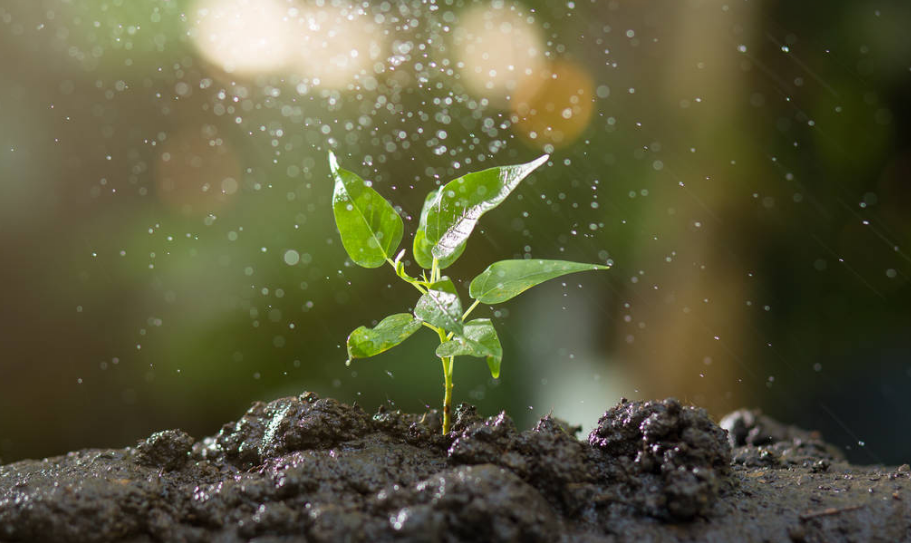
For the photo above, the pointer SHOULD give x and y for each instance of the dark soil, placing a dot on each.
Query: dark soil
(311, 469)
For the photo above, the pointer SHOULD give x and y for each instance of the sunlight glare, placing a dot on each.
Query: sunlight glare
(244, 36)
(499, 50)
(335, 45)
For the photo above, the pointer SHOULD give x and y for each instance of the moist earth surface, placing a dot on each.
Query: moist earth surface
(310, 469)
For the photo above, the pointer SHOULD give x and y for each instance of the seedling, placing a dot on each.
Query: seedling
(371, 231)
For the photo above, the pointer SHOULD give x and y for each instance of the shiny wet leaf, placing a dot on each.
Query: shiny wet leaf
(441, 306)
(478, 339)
(366, 342)
(507, 279)
(451, 212)
(370, 228)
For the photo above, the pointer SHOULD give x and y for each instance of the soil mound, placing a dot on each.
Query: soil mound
(309, 469)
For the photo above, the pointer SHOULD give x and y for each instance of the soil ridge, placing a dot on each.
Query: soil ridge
(311, 469)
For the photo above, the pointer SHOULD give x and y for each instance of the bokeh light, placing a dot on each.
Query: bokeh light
(333, 45)
(555, 112)
(500, 51)
(244, 36)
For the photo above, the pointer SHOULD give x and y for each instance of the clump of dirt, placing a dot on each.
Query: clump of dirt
(167, 450)
(271, 430)
(760, 441)
(670, 459)
(471, 503)
(312, 470)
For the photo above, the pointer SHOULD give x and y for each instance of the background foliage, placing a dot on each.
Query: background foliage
(169, 253)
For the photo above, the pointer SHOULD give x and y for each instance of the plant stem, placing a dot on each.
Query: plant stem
(447, 395)
(470, 309)
(448, 363)
(407, 278)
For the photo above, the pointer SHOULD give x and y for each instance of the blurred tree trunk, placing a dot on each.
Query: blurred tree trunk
(701, 293)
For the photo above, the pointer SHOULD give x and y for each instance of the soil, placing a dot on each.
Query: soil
(306, 469)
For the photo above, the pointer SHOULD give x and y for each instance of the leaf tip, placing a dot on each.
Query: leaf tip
(333, 162)
(538, 161)
(494, 366)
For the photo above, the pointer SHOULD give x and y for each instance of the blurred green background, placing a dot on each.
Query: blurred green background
(169, 253)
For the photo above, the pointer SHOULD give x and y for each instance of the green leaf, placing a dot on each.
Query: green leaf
(366, 342)
(370, 227)
(507, 279)
(421, 248)
(441, 306)
(451, 212)
(479, 339)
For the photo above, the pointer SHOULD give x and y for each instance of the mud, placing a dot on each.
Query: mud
(307, 469)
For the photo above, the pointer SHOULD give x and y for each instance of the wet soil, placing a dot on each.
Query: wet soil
(306, 469)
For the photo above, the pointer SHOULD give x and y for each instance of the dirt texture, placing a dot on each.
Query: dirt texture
(306, 469)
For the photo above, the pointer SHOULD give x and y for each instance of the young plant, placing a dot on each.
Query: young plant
(371, 231)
